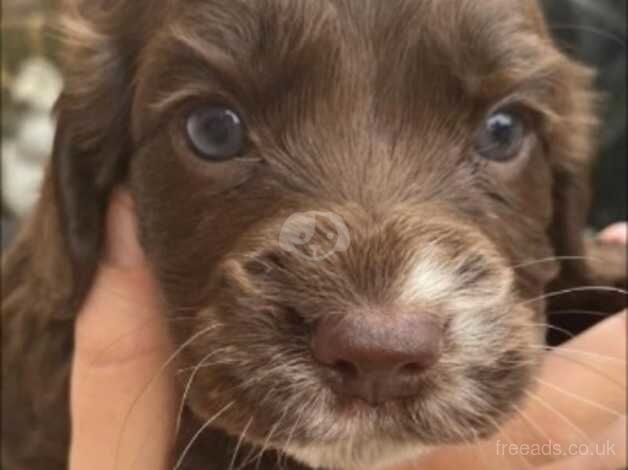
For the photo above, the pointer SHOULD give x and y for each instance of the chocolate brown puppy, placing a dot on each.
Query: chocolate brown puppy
(354, 209)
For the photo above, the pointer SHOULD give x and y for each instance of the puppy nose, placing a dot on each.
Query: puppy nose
(378, 357)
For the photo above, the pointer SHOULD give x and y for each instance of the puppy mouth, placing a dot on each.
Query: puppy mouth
(324, 429)
(299, 406)
(285, 400)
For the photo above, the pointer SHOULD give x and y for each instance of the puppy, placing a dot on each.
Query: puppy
(356, 209)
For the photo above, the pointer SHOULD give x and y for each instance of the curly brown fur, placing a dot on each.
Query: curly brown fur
(361, 108)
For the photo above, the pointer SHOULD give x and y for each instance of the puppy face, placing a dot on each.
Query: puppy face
(391, 166)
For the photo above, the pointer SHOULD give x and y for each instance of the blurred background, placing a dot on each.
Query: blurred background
(594, 31)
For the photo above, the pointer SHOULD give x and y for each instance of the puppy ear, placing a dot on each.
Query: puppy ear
(92, 143)
(573, 148)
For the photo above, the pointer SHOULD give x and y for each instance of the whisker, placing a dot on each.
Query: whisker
(281, 455)
(193, 309)
(554, 258)
(574, 289)
(561, 349)
(554, 328)
(239, 386)
(134, 331)
(562, 417)
(249, 458)
(258, 456)
(537, 428)
(239, 444)
(590, 368)
(592, 313)
(202, 366)
(500, 429)
(198, 433)
(313, 401)
(150, 384)
(187, 389)
(580, 399)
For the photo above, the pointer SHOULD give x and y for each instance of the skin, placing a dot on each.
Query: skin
(122, 345)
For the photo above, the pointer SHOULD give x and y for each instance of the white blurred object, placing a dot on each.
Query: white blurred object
(37, 84)
(35, 136)
(21, 179)
(23, 160)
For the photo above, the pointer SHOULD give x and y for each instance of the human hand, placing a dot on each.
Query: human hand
(123, 399)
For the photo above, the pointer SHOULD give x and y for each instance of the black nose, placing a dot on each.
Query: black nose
(378, 356)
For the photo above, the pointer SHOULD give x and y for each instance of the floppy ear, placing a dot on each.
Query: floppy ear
(573, 148)
(92, 143)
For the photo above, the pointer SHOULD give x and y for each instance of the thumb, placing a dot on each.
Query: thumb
(122, 394)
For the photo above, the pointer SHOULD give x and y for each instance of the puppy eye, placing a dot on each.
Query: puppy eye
(502, 136)
(216, 133)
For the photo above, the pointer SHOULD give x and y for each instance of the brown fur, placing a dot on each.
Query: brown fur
(362, 108)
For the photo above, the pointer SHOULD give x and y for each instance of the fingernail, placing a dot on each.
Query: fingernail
(122, 248)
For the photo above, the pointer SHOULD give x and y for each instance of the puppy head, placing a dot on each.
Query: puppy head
(341, 201)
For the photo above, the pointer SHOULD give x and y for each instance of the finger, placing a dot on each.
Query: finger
(616, 233)
(608, 452)
(122, 403)
(121, 318)
(582, 390)
(592, 369)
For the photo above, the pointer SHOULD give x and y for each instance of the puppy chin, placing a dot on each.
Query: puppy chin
(367, 455)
